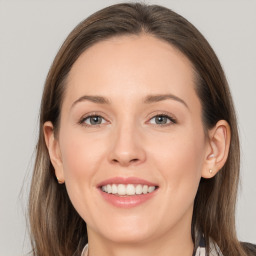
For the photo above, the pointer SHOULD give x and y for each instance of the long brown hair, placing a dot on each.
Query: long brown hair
(55, 226)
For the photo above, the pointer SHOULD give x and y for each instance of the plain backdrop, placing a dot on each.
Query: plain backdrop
(31, 32)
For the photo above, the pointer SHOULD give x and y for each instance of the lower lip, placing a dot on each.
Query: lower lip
(127, 201)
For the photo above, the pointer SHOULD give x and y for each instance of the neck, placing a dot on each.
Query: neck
(178, 242)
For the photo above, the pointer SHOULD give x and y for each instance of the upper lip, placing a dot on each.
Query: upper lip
(126, 180)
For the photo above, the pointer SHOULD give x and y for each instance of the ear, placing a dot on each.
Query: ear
(54, 151)
(217, 149)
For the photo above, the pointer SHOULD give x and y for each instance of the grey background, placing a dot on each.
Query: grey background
(31, 32)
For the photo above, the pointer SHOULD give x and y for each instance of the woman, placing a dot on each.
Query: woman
(138, 149)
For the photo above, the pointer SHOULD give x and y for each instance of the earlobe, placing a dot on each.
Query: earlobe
(54, 151)
(217, 150)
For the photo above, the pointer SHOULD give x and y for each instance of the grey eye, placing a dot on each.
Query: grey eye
(160, 119)
(94, 120)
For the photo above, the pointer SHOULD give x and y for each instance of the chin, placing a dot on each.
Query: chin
(128, 237)
(129, 230)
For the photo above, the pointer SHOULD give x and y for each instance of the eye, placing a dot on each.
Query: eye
(93, 120)
(162, 119)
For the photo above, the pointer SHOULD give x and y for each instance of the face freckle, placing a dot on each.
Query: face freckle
(150, 130)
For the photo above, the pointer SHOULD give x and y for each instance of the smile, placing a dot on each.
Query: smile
(127, 189)
(127, 192)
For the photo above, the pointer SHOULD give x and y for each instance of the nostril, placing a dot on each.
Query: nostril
(125, 162)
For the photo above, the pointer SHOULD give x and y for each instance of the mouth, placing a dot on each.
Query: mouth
(127, 192)
(128, 189)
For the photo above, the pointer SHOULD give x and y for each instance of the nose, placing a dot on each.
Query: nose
(127, 147)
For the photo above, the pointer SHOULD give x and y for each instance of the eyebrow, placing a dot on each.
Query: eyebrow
(148, 99)
(94, 99)
(161, 97)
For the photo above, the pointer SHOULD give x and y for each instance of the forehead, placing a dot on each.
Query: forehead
(126, 67)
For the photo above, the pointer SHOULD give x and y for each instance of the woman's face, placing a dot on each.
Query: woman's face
(131, 125)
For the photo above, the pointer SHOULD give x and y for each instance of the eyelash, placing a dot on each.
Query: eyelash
(165, 115)
(82, 121)
(168, 116)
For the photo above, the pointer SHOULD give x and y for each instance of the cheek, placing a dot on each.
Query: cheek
(80, 156)
(179, 158)
(183, 151)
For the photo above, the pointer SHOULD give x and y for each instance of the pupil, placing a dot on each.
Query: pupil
(95, 120)
(161, 119)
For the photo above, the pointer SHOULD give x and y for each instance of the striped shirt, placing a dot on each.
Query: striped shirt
(214, 250)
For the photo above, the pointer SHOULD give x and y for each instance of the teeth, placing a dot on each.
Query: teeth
(127, 190)
(151, 189)
(130, 190)
(109, 189)
(138, 190)
(114, 189)
(145, 189)
(121, 190)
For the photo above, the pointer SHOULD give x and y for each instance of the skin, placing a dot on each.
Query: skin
(129, 142)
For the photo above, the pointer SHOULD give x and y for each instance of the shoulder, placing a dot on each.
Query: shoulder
(249, 248)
